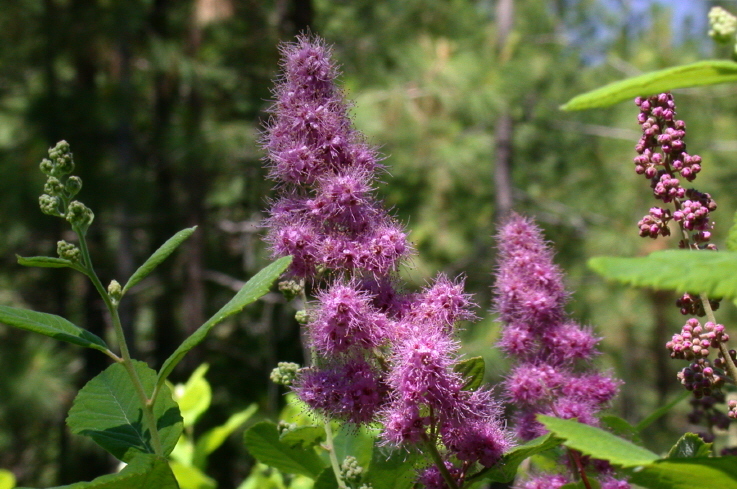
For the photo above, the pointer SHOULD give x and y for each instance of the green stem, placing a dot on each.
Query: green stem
(333, 456)
(433, 450)
(731, 368)
(146, 404)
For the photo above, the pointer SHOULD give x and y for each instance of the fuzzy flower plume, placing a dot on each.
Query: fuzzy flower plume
(378, 354)
(552, 372)
(326, 216)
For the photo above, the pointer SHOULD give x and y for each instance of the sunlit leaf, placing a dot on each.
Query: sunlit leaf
(262, 441)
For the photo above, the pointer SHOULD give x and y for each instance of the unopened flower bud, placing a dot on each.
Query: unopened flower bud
(350, 470)
(46, 166)
(73, 186)
(53, 187)
(68, 251)
(290, 289)
(115, 291)
(80, 215)
(723, 25)
(50, 205)
(302, 316)
(285, 373)
(61, 157)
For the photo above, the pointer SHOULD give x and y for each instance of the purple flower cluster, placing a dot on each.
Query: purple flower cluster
(552, 373)
(379, 354)
(326, 217)
(661, 157)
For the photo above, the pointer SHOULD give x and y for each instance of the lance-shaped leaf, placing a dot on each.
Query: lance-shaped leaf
(145, 471)
(506, 469)
(48, 262)
(109, 411)
(712, 273)
(598, 443)
(251, 291)
(50, 325)
(472, 370)
(158, 256)
(709, 72)
(262, 441)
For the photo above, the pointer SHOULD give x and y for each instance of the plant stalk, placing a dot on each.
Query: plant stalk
(731, 367)
(433, 450)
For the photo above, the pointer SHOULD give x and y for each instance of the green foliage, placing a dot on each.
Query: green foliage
(709, 72)
(144, 471)
(303, 436)
(661, 411)
(326, 480)
(194, 396)
(190, 477)
(391, 469)
(690, 446)
(158, 256)
(472, 369)
(593, 484)
(7, 479)
(211, 440)
(108, 410)
(47, 262)
(598, 443)
(256, 287)
(262, 441)
(50, 325)
(718, 472)
(621, 427)
(506, 469)
(732, 236)
(714, 274)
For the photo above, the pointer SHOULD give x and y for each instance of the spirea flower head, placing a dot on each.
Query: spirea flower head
(327, 216)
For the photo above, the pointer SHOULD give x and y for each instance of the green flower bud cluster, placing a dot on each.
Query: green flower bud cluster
(723, 26)
(290, 289)
(68, 251)
(115, 291)
(285, 426)
(302, 316)
(351, 471)
(61, 188)
(285, 373)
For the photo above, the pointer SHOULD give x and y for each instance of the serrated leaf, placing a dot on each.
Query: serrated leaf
(598, 443)
(732, 236)
(661, 411)
(708, 72)
(262, 441)
(258, 286)
(194, 396)
(709, 272)
(326, 480)
(472, 370)
(690, 445)
(391, 469)
(507, 467)
(303, 436)
(109, 411)
(158, 256)
(716, 472)
(190, 477)
(47, 262)
(50, 325)
(144, 471)
(212, 439)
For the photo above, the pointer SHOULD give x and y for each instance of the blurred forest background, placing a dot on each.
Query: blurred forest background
(162, 102)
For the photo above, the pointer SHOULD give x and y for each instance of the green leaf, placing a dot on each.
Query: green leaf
(158, 256)
(7, 479)
(355, 441)
(661, 411)
(708, 72)
(507, 467)
(690, 446)
(717, 472)
(48, 262)
(391, 469)
(303, 436)
(50, 325)
(194, 396)
(211, 440)
(109, 411)
(190, 477)
(326, 480)
(732, 236)
(258, 286)
(714, 274)
(472, 369)
(593, 484)
(144, 471)
(621, 427)
(262, 441)
(597, 442)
